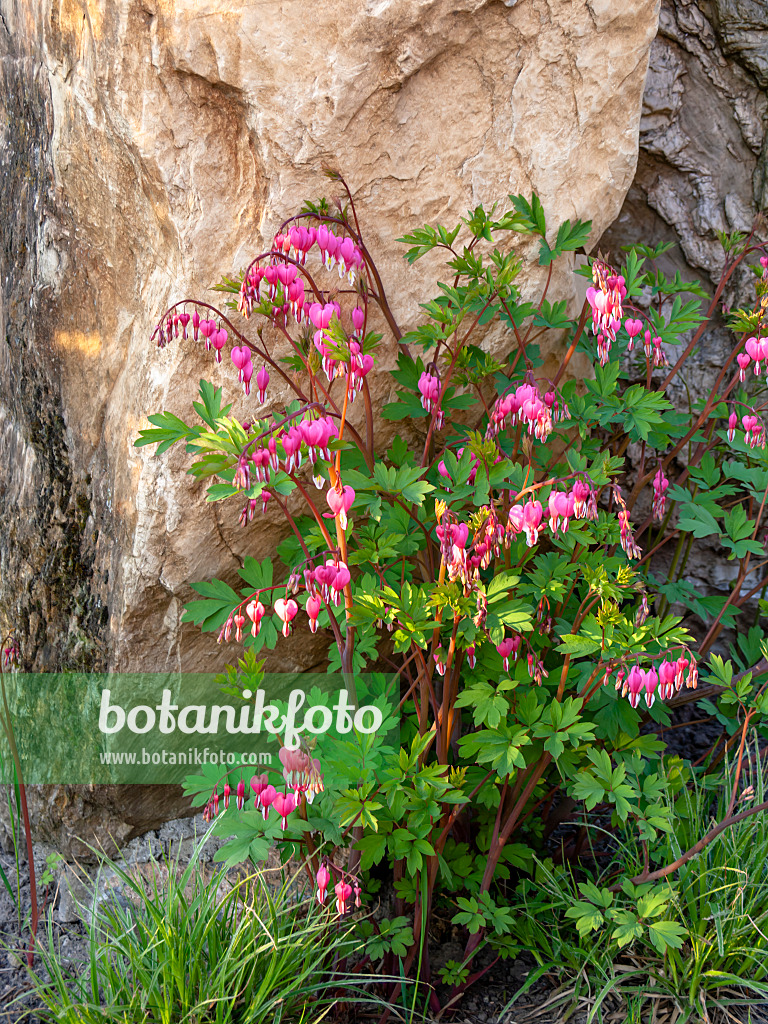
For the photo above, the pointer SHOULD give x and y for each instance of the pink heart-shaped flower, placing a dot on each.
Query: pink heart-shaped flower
(340, 500)
(240, 356)
(284, 803)
(342, 578)
(286, 610)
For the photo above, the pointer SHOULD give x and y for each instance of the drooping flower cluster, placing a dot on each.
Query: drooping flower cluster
(275, 282)
(453, 539)
(334, 250)
(509, 648)
(526, 405)
(660, 488)
(429, 389)
(283, 279)
(241, 357)
(331, 579)
(562, 506)
(529, 517)
(606, 298)
(652, 344)
(654, 351)
(354, 365)
(302, 775)
(343, 888)
(536, 668)
(279, 282)
(627, 537)
(754, 429)
(662, 683)
(343, 892)
(11, 653)
(756, 351)
(175, 323)
(489, 539)
(463, 559)
(285, 448)
(326, 583)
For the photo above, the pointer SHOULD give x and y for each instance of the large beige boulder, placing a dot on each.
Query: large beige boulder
(150, 146)
(178, 134)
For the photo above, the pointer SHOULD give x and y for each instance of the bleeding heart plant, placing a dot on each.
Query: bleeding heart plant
(516, 513)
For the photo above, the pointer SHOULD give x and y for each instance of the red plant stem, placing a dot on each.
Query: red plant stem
(665, 540)
(8, 729)
(451, 690)
(347, 189)
(411, 657)
(315, 513)
(702, 327)
(343, 424)
(381, 298)
(563, 676)
(368, 422)
(458, 808)
(458, 991)
(713, 833)
(494, 853)
(494, 844)
(572, 348)
(446, 380)
(521, 342)
(763, 582)
(739, 763)
(427, 694)
(714, 629)
(541, 300)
